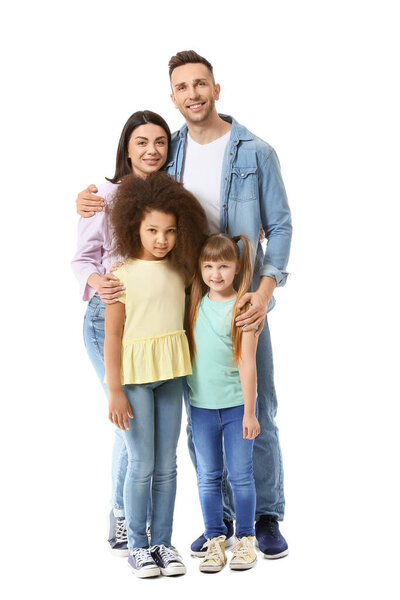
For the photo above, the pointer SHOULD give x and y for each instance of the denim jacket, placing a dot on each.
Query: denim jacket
(252, 194)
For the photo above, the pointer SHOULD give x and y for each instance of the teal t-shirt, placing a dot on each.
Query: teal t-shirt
(215, 381)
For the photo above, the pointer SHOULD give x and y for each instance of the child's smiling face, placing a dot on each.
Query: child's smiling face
(158, 232)
(219, 275)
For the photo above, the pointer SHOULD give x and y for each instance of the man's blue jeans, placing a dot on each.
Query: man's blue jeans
(151, 443)
(93, 334)
(210, 429)
(267, 459)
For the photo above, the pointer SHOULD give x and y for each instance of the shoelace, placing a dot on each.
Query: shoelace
(168, 554)
(121, 535)
(242, 548)
(271, 524)
(142, 556)
(214, 551)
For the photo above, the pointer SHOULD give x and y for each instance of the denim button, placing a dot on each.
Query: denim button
(241, 174)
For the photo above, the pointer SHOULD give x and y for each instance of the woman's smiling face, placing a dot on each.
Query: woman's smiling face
(147, 149)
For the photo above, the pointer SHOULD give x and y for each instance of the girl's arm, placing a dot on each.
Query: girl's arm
(119, 407)
(248, 378)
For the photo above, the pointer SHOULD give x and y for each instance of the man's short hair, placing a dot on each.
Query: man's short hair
(185, 57)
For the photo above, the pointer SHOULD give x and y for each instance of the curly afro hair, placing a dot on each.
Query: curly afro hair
(136, 196)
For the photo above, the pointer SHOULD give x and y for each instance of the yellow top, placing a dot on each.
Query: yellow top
(154, 343)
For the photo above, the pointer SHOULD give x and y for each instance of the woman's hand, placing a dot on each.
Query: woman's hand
(251, 427)
(109, 288)
(87, 203)
(119, 410)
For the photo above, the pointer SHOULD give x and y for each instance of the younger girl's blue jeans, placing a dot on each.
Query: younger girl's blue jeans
(216, 431)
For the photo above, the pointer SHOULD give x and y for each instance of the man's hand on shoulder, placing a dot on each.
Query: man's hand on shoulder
(87, 203)
(254, 317)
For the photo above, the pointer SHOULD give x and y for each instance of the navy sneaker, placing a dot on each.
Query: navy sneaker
(118, 538)
(198, 549)
(168, 560)
(269, 539)
(142, 563)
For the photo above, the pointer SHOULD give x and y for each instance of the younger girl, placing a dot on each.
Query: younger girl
(223, 389)
(159, 227)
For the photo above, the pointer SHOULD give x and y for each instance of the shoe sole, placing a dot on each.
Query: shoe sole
(153, 572)
(243, 567)
(181, 570)
(229, 542)
(210, 569)
(274, 556)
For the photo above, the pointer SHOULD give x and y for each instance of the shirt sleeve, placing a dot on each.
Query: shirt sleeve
(88, 257)
(276, 219)
(93, 235)
(121, 274)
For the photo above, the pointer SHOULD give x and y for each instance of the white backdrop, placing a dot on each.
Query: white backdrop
(319, 81)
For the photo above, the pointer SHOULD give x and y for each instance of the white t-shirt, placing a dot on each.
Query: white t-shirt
(202, 171)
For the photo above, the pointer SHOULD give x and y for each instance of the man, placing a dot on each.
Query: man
(236, 177)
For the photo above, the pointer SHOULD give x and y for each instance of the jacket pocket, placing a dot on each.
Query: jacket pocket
(243, 184)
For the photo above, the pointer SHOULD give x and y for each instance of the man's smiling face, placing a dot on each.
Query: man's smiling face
(194, 92)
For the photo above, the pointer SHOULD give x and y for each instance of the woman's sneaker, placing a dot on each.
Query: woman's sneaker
(215, 558)
(243, 554)
(117, 537)
(142, 563)
(168, 560)
(198, 549)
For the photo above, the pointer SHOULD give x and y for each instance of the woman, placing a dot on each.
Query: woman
(142, 149)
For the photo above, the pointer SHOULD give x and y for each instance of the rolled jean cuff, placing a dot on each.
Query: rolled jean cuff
(118, 512)
(271, 271)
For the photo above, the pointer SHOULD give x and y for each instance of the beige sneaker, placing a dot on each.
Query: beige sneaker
(215, 558)
(244, 554)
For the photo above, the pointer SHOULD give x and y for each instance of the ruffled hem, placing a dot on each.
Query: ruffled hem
(145, 360)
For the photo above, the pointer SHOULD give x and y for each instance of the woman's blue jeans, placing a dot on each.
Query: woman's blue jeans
(213, 430)
(93, 334)
(151, 443)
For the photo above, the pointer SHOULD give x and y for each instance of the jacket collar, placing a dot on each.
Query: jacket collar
(238, 132)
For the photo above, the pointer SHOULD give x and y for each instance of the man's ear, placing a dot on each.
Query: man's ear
(217, 91)
(172, 96)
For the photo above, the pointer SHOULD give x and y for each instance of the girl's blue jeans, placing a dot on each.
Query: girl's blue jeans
(93, 334)
(151, 444)
(267, 458)
(216, 430)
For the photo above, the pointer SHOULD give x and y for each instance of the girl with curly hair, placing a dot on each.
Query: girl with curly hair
(158, 227)
(223, 391)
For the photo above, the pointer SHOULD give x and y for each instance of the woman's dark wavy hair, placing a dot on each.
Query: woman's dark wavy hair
(141, 117)
(136, 196)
